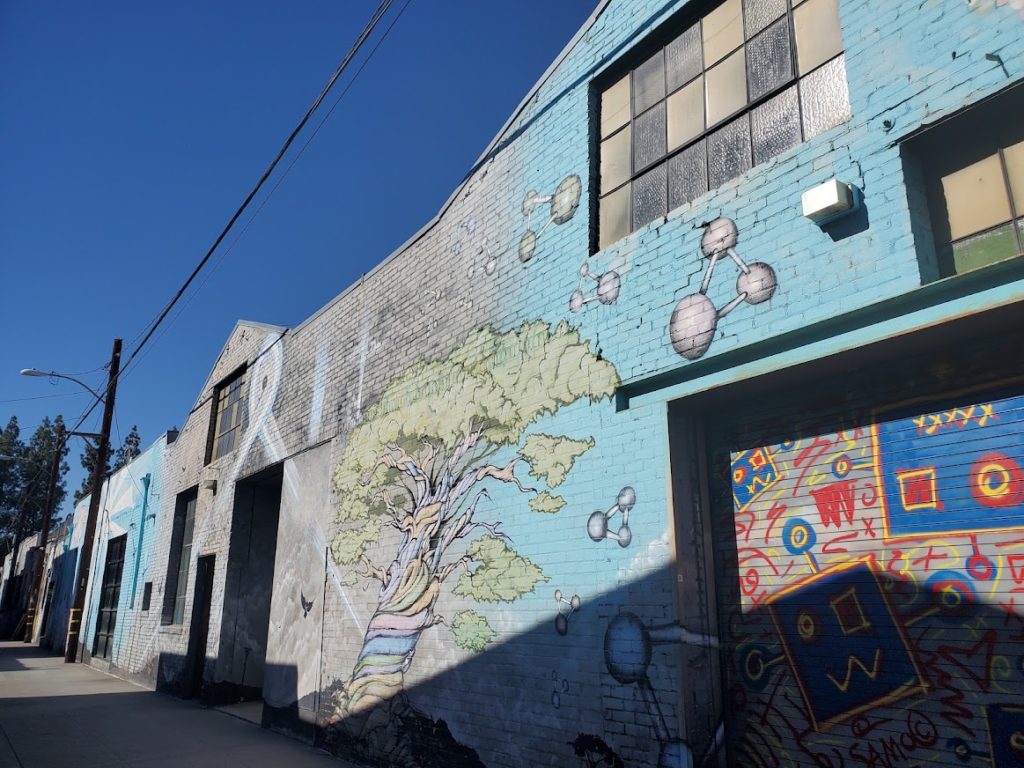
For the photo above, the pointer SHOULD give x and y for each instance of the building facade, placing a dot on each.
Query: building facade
(687, 433)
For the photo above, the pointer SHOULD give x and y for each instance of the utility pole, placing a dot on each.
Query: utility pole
(85, 556)
(39, 576)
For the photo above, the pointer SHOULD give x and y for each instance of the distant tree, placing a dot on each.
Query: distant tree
(129, 450)
(89, 458)
(24, 481)
(11, 449)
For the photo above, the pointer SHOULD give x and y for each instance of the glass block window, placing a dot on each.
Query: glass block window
(747, 81)
(985, 209)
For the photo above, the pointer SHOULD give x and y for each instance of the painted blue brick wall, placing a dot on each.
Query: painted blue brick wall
(902, 74)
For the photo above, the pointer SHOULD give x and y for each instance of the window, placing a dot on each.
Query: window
(180, 557)
(970, 172)
(228, 415)
(737, 86)
(147, 595)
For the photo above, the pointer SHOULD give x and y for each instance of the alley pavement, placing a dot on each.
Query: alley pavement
(55, 714)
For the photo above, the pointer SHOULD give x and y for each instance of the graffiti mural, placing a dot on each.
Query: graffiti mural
(875, 617)
(628, 649)
(418, 472)
(597, 524)
(695, 318)
(562, 205)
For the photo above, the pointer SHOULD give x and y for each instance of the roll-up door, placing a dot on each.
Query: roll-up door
(869, 565)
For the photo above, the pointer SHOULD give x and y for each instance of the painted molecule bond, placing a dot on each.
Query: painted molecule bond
(695, 319)
(628, 649)
(562, 203)
(608, 286)
(562, 619)
(597, 524)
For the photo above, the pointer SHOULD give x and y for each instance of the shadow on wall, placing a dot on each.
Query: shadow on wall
(594, 686)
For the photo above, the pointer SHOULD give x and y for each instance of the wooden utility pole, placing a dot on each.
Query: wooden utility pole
(71, 650)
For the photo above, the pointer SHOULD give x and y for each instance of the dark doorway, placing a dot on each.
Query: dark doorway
(248, 586)
(110, 593)
(199, 627)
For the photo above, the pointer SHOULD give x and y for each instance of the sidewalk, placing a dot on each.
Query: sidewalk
(54, 714)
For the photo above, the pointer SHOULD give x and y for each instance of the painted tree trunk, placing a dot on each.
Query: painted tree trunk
(391, 637)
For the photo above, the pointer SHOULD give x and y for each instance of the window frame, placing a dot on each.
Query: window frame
(957, 142)
(179, 557)
(658, 41)
(216, 434)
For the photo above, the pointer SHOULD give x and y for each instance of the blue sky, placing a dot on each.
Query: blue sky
(130, 132)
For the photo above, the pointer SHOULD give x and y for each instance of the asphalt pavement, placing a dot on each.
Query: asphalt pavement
(54, 715)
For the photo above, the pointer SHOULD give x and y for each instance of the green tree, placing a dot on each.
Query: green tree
(126, 454)
(420, 464)
(129, 450)
(89, 459)
(24, 481)
(11, 450)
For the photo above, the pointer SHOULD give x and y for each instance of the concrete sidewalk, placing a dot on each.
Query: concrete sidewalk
(54, 714)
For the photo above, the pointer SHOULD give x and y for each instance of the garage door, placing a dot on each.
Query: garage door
(870, 571)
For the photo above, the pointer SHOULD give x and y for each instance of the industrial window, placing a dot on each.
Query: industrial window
(179, 558)
(228, 416)
(729, 90)
(970, 170)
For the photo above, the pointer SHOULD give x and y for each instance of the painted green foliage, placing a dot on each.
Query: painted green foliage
(421, 465)
(471, 631)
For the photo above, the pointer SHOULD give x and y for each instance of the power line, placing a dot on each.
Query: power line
(367, 31)
(356, 46)
(224, 254)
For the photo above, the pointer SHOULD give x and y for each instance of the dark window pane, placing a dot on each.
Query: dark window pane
(825, 98)
(687, 175)
(649, 83)
(729, 152)
(683, 58)
(769, 63)
(775, 125)
(650, 197)
(758, 14)
(649, 137)
(984, 249)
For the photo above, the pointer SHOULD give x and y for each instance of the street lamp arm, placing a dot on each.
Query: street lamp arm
(55, 375)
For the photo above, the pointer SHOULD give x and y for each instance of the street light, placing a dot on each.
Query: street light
(55, 375)
(102, 454)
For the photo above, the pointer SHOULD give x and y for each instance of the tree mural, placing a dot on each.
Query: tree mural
(421, 462)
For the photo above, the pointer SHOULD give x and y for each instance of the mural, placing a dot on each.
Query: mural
(628, 649)
(875, 616)
(562, 205)
(695, 318)
(597, 524)
(417, 471)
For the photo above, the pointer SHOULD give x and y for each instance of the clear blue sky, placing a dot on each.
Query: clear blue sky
(129, 133)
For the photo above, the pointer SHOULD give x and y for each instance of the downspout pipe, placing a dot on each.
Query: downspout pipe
(142, 529)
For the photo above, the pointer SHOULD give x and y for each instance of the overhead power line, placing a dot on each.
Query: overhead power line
(382, 9)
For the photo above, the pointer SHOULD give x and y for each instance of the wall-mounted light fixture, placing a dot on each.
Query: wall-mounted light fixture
(830, 201)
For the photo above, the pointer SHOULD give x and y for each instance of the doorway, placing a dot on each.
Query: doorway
(110, 594)
(247, 595)
(199, 627)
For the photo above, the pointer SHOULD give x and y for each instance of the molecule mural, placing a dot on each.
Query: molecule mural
(597, 524)
(608, 286)
(695, 319)
(562, 205)
(562, 619)
(628, 648)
